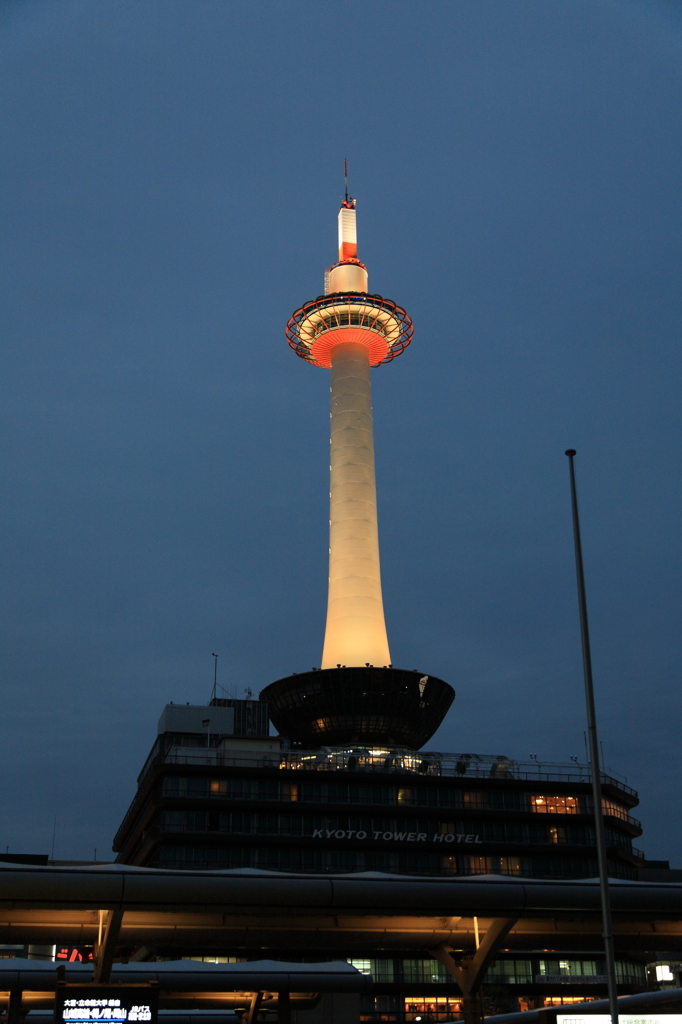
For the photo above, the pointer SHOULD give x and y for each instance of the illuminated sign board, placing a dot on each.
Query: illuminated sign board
(405, 837)
(113, 1004)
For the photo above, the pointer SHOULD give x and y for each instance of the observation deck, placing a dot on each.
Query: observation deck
(329, 320)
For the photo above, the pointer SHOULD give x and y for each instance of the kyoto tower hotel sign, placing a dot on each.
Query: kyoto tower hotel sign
(357, 696)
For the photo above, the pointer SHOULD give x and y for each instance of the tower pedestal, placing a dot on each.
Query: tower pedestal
(390, 706)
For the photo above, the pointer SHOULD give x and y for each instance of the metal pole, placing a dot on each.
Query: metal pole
(594, 757)
(283, 1008)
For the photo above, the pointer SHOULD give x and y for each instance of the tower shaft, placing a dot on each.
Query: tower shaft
(356, 629)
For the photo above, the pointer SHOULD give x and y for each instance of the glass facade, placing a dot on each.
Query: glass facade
(273, 858)
(420, 985)
(438, 796)
(326, 826)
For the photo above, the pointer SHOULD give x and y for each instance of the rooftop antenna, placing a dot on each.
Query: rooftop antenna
(345, 177)
(215, 676)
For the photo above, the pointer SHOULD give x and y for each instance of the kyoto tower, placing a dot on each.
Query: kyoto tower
(356, 695)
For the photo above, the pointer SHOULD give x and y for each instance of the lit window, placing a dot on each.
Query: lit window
(433, 1008)
(616, 810)
(554, 804)
(567, 1000)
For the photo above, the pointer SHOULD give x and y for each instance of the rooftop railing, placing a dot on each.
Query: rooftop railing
(374, 760)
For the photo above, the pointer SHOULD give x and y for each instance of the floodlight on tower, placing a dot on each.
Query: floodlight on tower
(357, 694)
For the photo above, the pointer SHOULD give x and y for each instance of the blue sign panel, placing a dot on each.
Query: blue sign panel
(110, 1004)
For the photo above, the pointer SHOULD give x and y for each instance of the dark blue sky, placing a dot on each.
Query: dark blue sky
(171, 175)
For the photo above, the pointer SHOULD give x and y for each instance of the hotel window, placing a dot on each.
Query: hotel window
(509, 865)
(238, 789)
(379, 1007)
(566, 1000)
(568, 968)
(268, 790)
(289, 791)
(475, 799)
(631, 974)
(554, 804)
(268, 824)
(432, 1008)
(557, 834)
(480, 865)
(338, 793)
(291, 825)
(315, 792)
(429, 797)
(616, 810)
(450, 865)
(510, 972)
(9, 952)
(381, 970)
(235, 822)
(173, 821)
(218, 787)
(364, 966)
(424, 972)
(179, 786)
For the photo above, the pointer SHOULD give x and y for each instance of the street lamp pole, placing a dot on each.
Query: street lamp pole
(594, 757)
(214, 695)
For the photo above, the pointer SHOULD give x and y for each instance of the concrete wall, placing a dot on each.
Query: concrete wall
(190, 718)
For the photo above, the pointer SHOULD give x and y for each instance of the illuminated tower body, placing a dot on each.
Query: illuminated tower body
(348, 331)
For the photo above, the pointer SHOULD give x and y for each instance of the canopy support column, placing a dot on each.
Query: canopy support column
(106, 946)
(469, 971)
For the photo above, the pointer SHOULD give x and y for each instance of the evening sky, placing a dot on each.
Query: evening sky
(171, 176)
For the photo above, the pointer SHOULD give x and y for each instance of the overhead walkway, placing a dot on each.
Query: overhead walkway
(116, 905)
